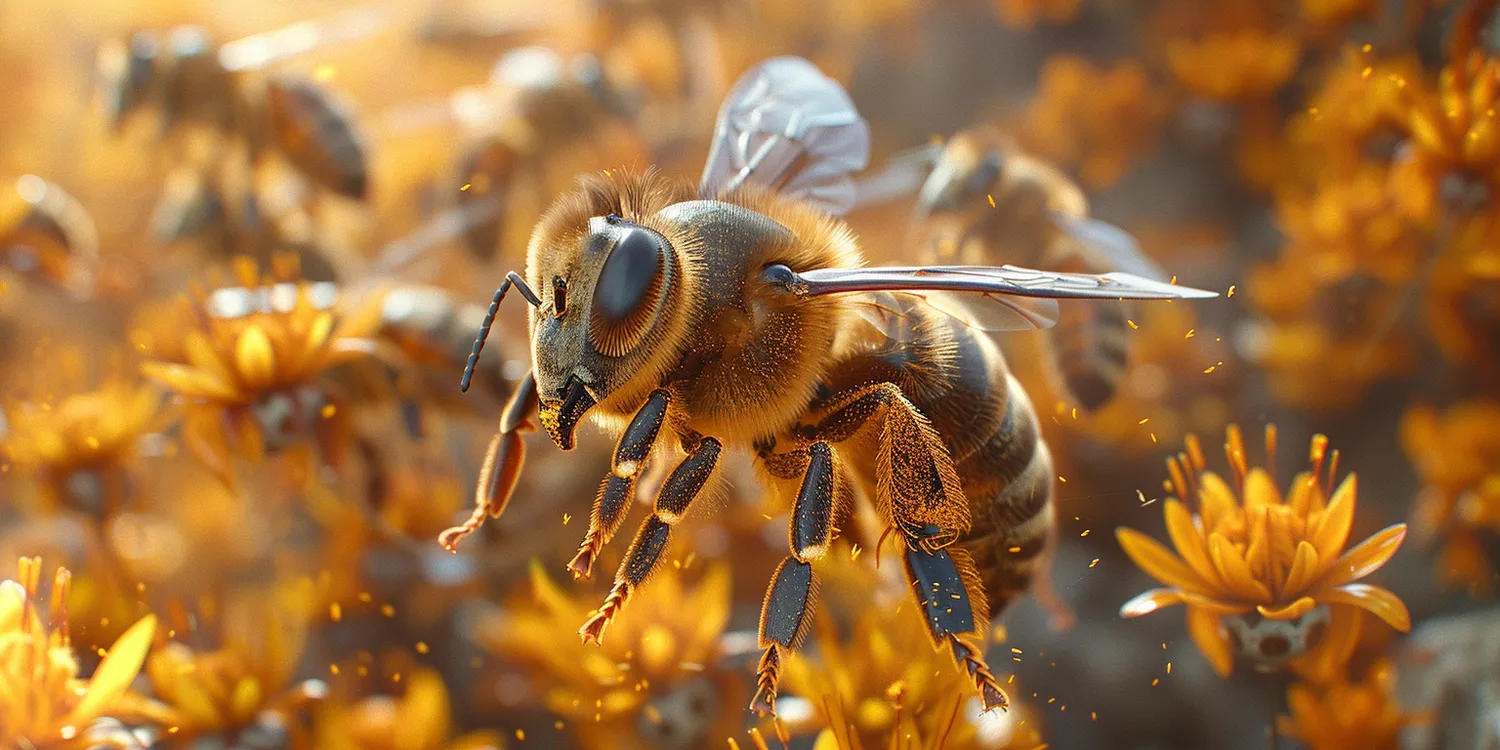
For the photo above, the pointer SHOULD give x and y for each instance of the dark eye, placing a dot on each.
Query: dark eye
(559, 296)
(631, 285)
(632, 265)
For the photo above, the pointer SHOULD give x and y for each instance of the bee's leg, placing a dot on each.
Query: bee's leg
(951, 595)
(916, 484)
(791, 597)
(919, 490)
(686, 481)
(502, 462)
(613, 499)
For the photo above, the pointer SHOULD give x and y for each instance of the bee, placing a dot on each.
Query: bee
(738, 316)
(192, 82)
(536, 104)
(987, 202)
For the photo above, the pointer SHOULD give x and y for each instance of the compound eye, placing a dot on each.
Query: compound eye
(629, 285)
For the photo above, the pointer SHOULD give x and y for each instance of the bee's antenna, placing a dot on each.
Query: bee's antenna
(511, 279)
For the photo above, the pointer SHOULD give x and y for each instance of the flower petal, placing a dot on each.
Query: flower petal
(1382, 603)
(1303, 498)
(1291, 611)
(116, 671)
(200, 354)
(1203, 627)
(1235, 572)
(1332, 532)
(317, 337)
(1149, 601)
(254, 357)
(1189, 542)
(1217, 606)
(189, 381)
(1159, 562)
(1217, 499)
(1304, 571)
(1329, 657)
(1260, 489)
(1365, 558)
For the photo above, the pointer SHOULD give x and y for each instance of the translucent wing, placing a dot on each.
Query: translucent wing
(890, 312)
(787, 126)
(902, 176)
(994, 282)
(1115, 246)
(258, 51)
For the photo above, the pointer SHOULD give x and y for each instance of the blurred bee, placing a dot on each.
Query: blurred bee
(536, 105)
(986, 202)
(192, 82)
(738, 316)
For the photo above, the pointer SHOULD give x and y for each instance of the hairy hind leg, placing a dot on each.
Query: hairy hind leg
(919, 489)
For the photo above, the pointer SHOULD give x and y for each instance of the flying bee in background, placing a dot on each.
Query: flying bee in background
(986, 202)
(194, 83)
(739, 317)
(537, 108)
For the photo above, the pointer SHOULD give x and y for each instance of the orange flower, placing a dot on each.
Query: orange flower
(1452, 165)
(1255, 551)
(1095, 120)
(657, 675)
(1457, 456)
(1347, 715)
(45, 704)
(870, 689)
(419, 718)
(245, 682)
(253, 363)
(94, 432)
(1234, 65)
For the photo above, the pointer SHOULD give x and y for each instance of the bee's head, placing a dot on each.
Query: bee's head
(614, 311)
(968, 169)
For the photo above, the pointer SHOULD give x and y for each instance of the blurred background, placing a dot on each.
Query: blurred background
(244, 248)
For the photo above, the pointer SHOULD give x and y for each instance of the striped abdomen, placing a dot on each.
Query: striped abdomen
(957, 377)
(1090, 345)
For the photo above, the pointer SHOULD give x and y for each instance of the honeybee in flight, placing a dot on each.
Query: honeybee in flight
(987, 202)
(192, 81)
(738, 317)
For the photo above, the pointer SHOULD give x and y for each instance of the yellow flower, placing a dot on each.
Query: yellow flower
(1347, 715)
(94, 433)
(1234, 65)
(418, 719)
(1026, 14)
(45, 704)
(657, 674)
(245, 681)
(1452, 165)
(253, 365)
(1252, 551)
(1353, 119)
(1462, 302)
(1095, 120)
(1457, 456)
(872, 689)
